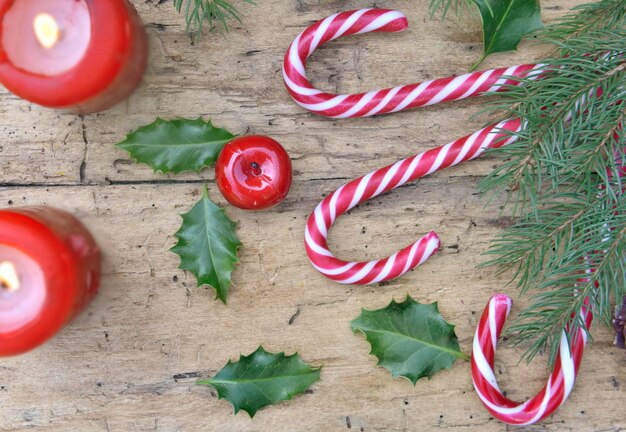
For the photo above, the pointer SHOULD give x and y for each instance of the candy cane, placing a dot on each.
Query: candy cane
(381, 181)
(388, 100)
(560, 382)
(383, 102)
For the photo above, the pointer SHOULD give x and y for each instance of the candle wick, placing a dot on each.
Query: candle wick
(9, 279)
(47, 30)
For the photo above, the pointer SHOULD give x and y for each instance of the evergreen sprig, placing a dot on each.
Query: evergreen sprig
(216, 14)
(445, 5)
(588, 18)
(562, 179)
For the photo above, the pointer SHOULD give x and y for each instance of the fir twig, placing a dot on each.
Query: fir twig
(215, 13)
(445, 5)
(588, 18)
(562, 179)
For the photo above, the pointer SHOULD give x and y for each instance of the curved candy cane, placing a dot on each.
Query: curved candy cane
(388, 100)
(382, 102)
(560, 382)
(381, 181)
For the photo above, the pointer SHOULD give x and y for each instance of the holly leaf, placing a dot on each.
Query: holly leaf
(262, 379)
(410, 339)
(505, 22)
(207, 245)
(175, 146)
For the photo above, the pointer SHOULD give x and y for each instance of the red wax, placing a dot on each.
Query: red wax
(95, 62)
(57, 264)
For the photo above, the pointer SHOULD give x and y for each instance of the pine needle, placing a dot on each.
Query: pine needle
(216, 14)
(446, 5)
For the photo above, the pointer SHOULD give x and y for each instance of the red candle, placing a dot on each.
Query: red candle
(49, 272)
(81, 55)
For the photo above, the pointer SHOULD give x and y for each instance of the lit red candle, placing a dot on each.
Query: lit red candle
(80, 55)
(49, 272)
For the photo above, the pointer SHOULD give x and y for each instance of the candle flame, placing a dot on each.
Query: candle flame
(47, 30)
(9, 279)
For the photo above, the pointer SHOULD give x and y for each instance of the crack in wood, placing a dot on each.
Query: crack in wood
(295, 316)
(186, 375)
(83, 164)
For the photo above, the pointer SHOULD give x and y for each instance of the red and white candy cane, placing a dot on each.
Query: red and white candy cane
(383, 102)
(381, 181)
(387, 100)
(560, 382)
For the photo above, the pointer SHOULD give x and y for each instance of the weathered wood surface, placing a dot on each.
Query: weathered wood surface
(130, 362)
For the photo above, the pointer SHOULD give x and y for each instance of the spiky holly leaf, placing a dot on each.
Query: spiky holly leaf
(262, 379)
(505, 22)
(175, 146)
(207, 245)
(410, 339)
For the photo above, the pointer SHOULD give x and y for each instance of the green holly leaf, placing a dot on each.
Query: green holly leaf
(175, 146)
(505, 22)
(262, 379)
(207, 245)
(410, 339)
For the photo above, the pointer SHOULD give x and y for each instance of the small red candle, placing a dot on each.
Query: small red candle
(49, 272)
(80, 55)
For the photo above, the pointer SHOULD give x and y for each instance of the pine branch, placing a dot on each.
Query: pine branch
(562, 179)
(215, 13)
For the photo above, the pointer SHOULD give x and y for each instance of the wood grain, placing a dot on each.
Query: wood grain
(130, 362)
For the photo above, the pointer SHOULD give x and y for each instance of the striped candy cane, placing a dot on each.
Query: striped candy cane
(379, 182)
(560, 382)
(380, 101)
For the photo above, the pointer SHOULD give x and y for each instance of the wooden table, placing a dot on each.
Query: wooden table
(130, 363)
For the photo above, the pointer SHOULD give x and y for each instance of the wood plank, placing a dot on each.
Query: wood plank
(130, 362)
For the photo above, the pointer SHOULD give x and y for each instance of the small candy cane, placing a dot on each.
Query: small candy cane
(560, 382)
